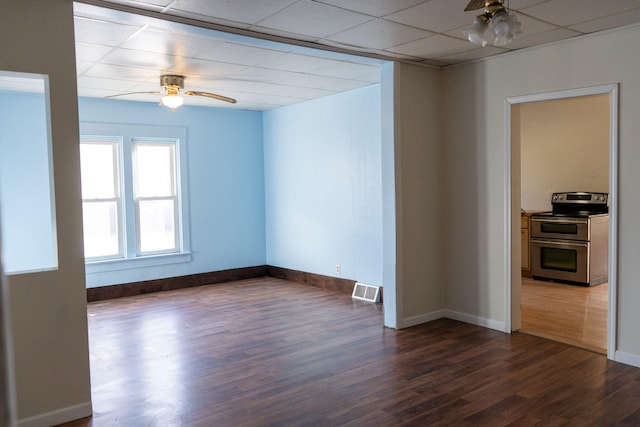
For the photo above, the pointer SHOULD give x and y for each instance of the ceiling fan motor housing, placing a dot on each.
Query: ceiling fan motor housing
(172, 80)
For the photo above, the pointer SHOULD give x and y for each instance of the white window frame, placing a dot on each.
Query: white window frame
(138, 133)
(175, 197)
(116, 142)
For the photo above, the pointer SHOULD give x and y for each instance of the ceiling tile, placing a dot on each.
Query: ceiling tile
(100, 32)
(379, 34)
(82, 66)
(345, 85)
(169, 43)
(291, 79)
(91, 52)
(121, 72)
(204, 67)
(140, 59)
(541, 38)
(314, 19)
(240, 54)
(346, 70)
(377, 8)
(297, 63)
(605, 23)
(86, 82)
(520, 4)
(435, 15)
(570, 12)
(434, 46)
(245, 11)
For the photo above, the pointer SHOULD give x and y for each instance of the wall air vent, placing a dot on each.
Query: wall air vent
(366, 292)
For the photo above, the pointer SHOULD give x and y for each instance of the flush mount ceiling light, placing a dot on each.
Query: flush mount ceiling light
(173, 87)
(496, 26)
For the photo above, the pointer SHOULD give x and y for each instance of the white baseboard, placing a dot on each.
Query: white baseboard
(421, 318)
(58, 416)
(475, 320)
(454, 315)
(627, 358)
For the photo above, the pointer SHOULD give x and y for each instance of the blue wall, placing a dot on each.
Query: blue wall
(225, 180)
(304, 192)
(323, 187)
(28, 233)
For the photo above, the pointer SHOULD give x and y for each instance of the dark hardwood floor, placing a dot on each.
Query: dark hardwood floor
(267, 352)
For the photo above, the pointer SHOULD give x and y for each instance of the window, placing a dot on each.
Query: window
(155, 196)
(101, 203)
(133, 201)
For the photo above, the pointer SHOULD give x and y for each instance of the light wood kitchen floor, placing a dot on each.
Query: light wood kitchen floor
(570, 314)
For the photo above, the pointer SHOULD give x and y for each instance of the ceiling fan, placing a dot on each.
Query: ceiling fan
(496, 26)
(172, 88)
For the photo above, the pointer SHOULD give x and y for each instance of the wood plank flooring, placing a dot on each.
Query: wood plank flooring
(570, 314)
(267, 352)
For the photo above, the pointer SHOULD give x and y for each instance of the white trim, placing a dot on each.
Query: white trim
(612, 90)
(613, 222)
(508, 259)
(627, 358)
(421, 318)
(453, 315)
(58, 416)
(139, 262)
(128, 135)
(475, 320)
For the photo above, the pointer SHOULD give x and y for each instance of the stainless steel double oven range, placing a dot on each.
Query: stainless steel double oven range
(571, 243)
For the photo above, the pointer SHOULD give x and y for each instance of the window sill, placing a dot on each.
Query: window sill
(140, 262)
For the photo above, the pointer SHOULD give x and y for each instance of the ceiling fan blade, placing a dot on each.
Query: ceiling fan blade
(474, 5)
(135, 93)
(210, 95)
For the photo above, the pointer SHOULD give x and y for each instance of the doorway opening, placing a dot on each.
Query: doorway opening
(560, 166)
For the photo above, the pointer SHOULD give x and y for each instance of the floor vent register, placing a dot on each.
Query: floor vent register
(366, 292)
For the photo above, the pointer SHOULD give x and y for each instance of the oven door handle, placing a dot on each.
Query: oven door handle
(565, 220)
(561, 242)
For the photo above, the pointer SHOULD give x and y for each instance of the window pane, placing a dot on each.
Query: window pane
(101, 237)
(98, 171)
(154, 170)
(157, 225)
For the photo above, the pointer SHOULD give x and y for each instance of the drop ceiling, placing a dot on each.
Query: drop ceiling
(119, 51)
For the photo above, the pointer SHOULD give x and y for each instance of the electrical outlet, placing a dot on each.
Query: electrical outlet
(338, 269)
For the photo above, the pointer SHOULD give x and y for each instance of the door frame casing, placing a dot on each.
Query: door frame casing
(510, 219)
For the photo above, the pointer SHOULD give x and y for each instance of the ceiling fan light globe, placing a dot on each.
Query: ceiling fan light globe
(514, 24)
(476, 32)
(172, 101)
(501, 27)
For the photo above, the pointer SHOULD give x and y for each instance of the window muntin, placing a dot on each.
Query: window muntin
(101, 201)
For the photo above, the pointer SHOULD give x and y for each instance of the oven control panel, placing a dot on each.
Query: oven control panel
(587, 198)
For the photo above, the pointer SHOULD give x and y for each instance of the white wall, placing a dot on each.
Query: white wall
(48, 310)
(417, 128)
(564, 147)
(476, 166)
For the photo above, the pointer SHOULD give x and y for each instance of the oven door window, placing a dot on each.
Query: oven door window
(559, 228)
(559, 259)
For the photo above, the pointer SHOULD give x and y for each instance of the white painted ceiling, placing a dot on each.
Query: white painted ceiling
(121, 52)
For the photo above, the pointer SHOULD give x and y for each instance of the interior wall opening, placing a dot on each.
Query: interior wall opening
(563, 142)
